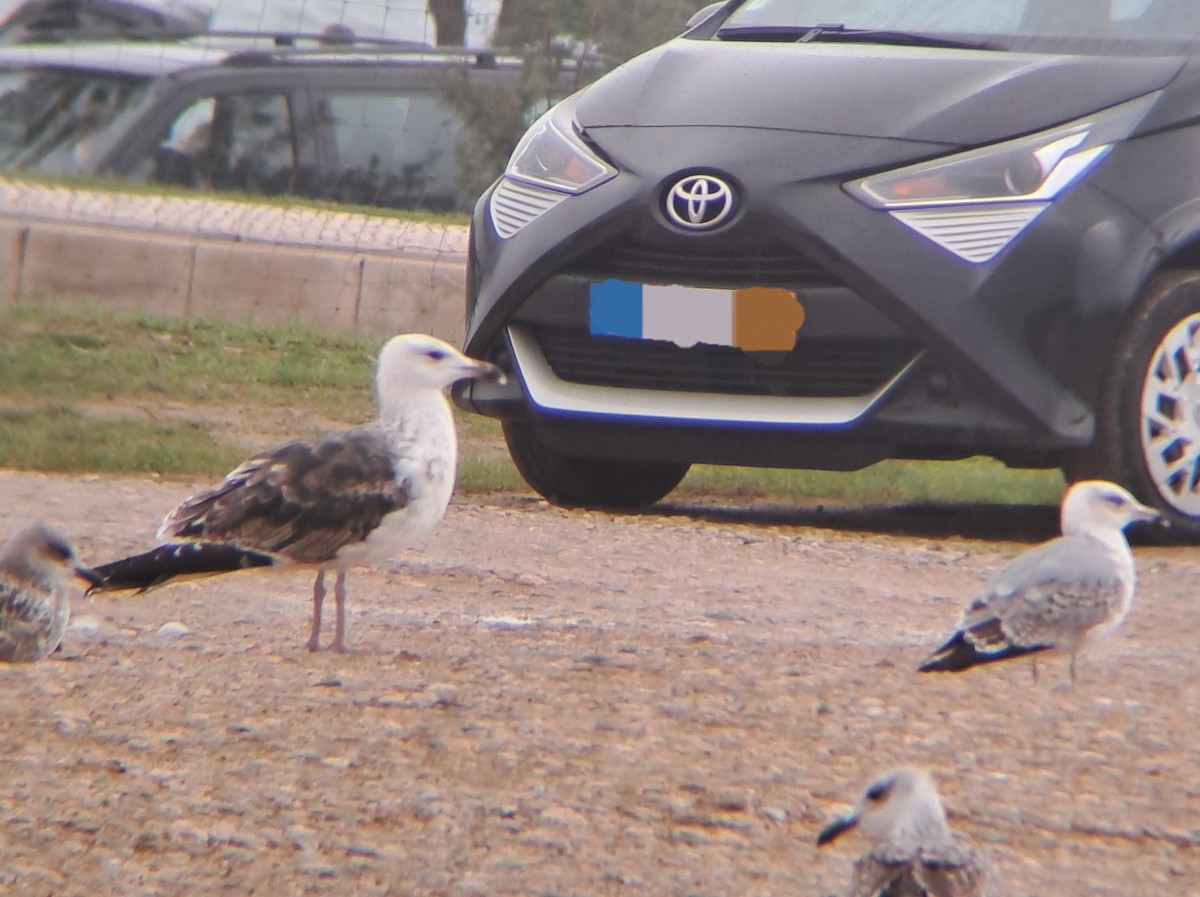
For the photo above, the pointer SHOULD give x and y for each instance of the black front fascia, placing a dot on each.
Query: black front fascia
(1030, 330)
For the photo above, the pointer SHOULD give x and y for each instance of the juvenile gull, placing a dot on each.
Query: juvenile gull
(351, 499)
(35, 593)
(913, 853)
(1060, 595)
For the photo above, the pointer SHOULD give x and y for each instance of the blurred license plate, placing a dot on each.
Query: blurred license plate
(757, 319)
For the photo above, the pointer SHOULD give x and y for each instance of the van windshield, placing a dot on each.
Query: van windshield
(55, 121)
(1130, 22)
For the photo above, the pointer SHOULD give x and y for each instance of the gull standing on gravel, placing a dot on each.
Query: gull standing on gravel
(913, 853)
(1061, 595)
(35, 591)
(354, 498)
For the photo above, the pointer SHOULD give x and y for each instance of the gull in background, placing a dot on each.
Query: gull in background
(1060, 595)
(355, 498)
(913, 852)
(35, 606)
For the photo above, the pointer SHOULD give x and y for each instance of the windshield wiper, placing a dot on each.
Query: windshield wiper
(840, 33)
(780, 33)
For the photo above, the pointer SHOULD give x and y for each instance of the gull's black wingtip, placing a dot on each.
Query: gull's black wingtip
(960, 653)
(142, 572)
(959, 638)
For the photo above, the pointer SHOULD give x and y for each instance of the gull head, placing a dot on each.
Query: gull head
(40, 550)
(1098, 506)
(414, 361)
(899, 805)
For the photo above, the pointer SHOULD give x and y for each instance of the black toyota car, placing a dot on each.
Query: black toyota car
(819, 234)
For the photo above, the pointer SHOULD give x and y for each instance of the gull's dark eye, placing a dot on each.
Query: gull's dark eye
(436, 354)
(59, 550)
(878, 791)
(1115, 500)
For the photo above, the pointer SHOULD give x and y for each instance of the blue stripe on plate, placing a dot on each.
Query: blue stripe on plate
(616, 309)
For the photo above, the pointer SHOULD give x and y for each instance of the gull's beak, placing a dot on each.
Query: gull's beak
(89, 576)
(1149, 515)
(1144, 514)
(473, 369)
(835, 829)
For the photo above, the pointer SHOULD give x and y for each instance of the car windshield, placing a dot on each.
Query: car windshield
(1131, 22)
(57, 121)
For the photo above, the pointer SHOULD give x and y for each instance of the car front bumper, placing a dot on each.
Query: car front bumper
(1005, 358)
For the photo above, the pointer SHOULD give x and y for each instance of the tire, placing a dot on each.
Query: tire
(587, 482)
(1148, 418)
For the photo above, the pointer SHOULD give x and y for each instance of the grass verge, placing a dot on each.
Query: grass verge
(92, 392)
(63, 440)
(58, 357)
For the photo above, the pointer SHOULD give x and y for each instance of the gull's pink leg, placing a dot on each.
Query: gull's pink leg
(314, 638)
(339, 597)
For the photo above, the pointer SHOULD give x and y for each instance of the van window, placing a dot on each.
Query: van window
(241, 142)
(394, 150)
(54, 121)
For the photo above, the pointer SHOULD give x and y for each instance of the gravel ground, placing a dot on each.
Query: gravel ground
(566, 703)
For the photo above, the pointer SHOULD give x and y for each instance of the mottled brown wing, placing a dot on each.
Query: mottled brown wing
(304, 501)
(956, 871)
(24, 620)
(875, 876)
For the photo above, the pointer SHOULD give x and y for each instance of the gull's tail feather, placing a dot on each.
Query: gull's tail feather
(960, 653)
(142, 572)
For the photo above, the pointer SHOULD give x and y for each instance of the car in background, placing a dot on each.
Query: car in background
(378, 123)
(40, 21)
(816, 234)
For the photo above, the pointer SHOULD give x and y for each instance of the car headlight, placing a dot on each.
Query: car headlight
(552, 155)
(976, 203)
(1032, 169)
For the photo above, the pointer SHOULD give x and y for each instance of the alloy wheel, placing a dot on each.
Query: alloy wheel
(1170, 416)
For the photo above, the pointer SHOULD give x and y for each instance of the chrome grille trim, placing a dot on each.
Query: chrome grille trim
(974, 233)
(549, 392)
(514, 205)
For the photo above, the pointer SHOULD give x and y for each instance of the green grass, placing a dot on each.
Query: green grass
(62, 439)
(70, 357)
(82, 392)
(476, 474)
(972, 480)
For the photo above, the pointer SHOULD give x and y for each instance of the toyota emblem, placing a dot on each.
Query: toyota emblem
(699, 202)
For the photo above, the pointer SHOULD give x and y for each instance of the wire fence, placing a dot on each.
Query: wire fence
(279, 177)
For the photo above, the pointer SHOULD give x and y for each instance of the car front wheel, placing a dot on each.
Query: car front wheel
(1148, 421)
(587, 482)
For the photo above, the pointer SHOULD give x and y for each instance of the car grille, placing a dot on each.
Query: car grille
(769, 265)
(824, 369)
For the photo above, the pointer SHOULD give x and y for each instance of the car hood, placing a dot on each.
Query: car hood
(955, 97)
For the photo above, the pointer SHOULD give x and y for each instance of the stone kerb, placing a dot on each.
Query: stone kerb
(398, 295)
(274, 285)
(412, 276)
(12, 247)
(82, 266)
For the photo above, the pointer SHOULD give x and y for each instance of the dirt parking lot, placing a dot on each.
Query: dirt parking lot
(567, 703)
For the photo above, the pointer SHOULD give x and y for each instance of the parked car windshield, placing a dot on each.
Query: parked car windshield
(54, 120)
(1128, 21)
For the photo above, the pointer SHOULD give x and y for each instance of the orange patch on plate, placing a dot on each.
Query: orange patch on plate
(765, 319)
